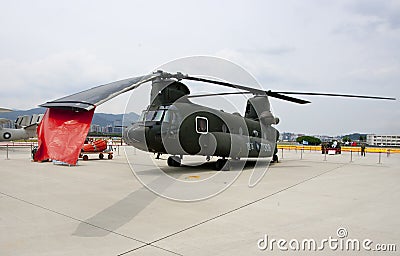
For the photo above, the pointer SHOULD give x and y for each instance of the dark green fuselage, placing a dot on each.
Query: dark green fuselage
(182, 127)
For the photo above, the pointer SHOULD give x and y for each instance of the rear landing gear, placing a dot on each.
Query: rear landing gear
(222, 165)
(174, 161)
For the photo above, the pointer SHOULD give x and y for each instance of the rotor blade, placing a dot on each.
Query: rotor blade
(5, 110)
(89, 99)
(237, 86)
(338, 95)
(216, 94)
(287, 98)
(267, 93)
(258, 92)
(249, 89)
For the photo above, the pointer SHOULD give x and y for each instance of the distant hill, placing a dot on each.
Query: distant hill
(104, 119)
(355, 136)
(101, 119)
(14, 114)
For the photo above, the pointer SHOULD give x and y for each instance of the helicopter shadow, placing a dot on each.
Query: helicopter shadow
(122, 212)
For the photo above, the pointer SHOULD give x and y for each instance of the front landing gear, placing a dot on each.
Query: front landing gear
(174, 161)
(223, 165)
(275, 158)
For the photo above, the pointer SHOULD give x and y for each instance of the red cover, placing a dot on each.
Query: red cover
(100, 145)
(88, 148)
(62, 133)
(97, 146)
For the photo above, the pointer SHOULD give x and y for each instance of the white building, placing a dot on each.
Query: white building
(95, 128)
(383, 140)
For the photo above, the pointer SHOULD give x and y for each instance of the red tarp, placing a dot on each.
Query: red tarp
(61, 134)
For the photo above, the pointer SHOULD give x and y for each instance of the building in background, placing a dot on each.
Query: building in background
(383, 140)
(95, 128)
(118, 126)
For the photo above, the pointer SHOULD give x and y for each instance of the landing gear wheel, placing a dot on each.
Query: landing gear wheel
(110, 156)
(174, 161)
(101, 155)
(34, 150)
(222, 165)
(275, 159)
(85, 157)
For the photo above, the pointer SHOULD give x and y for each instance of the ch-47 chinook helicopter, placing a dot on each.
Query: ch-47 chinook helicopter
(172, 124)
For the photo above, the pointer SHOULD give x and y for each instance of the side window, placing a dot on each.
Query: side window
(201, 124)
(142, 116)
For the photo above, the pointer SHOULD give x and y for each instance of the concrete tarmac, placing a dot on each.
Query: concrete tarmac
(100, 208)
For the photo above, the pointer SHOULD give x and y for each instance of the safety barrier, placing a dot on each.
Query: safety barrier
(9, 147)
(345, 149)
(12, 146)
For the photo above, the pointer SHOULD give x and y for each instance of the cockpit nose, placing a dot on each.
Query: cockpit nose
(136, 136)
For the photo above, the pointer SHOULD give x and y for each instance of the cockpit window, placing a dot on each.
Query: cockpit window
(167, 116)
(158, 115)
(152, 115)
(149, 115)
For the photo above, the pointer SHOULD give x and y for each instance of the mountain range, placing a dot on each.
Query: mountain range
(101, 119)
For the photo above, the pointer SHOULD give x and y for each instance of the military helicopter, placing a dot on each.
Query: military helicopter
(173, 124)
(24, 127)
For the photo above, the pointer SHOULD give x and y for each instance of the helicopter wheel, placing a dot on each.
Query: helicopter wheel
(222, 165)
(174, 161)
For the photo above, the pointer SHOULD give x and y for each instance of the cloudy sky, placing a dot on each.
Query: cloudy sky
(50, 49)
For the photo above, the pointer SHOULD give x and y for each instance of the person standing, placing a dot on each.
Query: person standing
(363, 149)
(110, 144)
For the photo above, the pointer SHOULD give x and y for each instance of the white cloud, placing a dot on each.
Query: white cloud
(382, 12)
(27, 84)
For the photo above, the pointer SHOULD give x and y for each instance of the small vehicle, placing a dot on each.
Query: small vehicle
(96, 147)
(331, 148)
